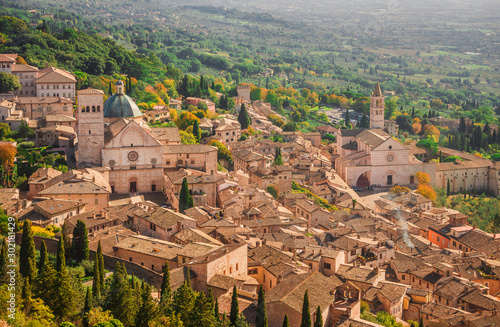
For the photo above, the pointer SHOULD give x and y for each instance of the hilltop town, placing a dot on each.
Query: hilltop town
(347, 216)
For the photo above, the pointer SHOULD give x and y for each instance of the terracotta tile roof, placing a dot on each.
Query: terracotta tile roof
(194, 235)
(219, 252)
(483, 301)
(90, 91)
(188, 148)
(291, 290)
(197, 214)
(91, 219)
(23, 68)
(170, 134)
(59, 118)
(54, 206)
(162, 217)
(452, 288)
(55, 75)
(441, 311)
(8, 57)
(150, 246)
(43, 100)
(358, 274)
(74, 187)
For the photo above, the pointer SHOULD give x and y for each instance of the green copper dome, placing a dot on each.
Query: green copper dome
(120, 105)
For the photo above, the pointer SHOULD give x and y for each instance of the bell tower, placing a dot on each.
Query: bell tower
(90, 127)
(377, 107)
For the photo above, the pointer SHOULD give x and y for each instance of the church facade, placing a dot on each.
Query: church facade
(371, 156)
(114, 139)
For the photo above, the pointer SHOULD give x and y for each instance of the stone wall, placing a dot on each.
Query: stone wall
(151, 277)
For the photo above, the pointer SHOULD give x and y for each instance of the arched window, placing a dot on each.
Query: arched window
(83, 108)
(87, 109)
(98, 108)
(21, 92)
(93, 108)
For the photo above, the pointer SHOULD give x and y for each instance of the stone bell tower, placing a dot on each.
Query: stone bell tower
(90, 127)
(377, 107)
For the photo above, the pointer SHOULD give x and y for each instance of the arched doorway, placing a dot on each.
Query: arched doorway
(363, 181)
(133, 185)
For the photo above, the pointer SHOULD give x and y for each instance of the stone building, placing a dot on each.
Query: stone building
(36, 108)
(55, 82)
(203, 187)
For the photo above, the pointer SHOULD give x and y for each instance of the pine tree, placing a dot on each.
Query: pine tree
(235, 310)
(278, 159)
(3, 261)
(196, 131)
(96, 280)
(261, 319)
(100, 258)
(27, 264)
(80, 245)
(243, 118)
(147, 311)
(285, 322)
(166, 290)
(448, 188)
(61, 258)
(44, 257)
(185, 198)
(306, 314)
(319, 318)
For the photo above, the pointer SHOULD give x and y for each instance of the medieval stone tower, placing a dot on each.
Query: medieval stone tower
(90, 127)
(377, 107)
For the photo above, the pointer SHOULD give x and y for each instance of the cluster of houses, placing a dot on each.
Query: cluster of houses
(290, 228)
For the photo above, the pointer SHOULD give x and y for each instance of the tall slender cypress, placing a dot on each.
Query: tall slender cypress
(196, 131)
(147, 311)
(61, 257)
(285, 322)
(448, 188)
(96, 280)
(243, 117)
(261, 319)
(27, 265)
(306, 314)
(185, 198)
(26, 295)
(319, 319)
(100, 258)
(44, 257)
(166, 289)
(80, 245)
(235, 310)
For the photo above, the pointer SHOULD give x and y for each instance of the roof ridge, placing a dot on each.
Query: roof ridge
(296, 286)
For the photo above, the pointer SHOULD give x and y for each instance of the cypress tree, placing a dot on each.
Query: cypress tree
(261, 319)
(202, 313)
(243, 117)
(26, 295)
(65, 298)
(216, 309)
(119, 299)
(183, 302)
(196, 131)
(96, 280)
(285, 322)
(61, 258)
(109, 90)
(27, 258)
(80, 245)
(306, 314)
(235, 310)
(448, 188)
(278, 159)
(102, 277)
(88, 301)
(166, 290)
(3, 261)
(44, 257)
(185, 198)
(319, 319)
(347, 117)
(147, 310)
